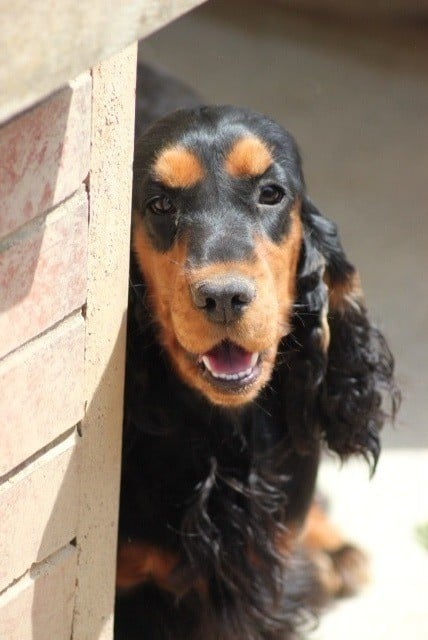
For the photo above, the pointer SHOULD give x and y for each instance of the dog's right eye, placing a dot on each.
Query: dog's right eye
(161, 204)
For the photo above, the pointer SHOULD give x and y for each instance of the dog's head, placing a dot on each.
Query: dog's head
(218, 235)
(235, 257)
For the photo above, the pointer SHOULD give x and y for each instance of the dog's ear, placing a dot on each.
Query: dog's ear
(359, 365)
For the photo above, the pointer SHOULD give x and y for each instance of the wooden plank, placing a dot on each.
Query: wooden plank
(109, 230)
(42, 391)
(40, 605)
(44, 154)
(43, 272)
(43, 46)
(39, 510)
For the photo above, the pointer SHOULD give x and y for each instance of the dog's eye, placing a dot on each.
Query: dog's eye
(270, 194)
(161, 204)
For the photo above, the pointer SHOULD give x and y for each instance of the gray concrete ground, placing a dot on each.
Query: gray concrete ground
(355, 95)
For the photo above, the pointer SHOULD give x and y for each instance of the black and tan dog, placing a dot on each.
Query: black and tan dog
(249, 349)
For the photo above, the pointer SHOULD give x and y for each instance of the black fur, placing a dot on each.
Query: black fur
(218, 485)
(360, 365)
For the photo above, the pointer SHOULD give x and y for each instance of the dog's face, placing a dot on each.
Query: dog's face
(217, 235)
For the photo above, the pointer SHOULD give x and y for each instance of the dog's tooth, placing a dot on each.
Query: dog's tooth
(254, 359)
(227, 376)
(221, 376)
(206, 362)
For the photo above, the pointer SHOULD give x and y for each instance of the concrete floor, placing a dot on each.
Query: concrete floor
(355, 95)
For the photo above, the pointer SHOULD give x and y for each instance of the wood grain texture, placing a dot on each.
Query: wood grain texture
(108, 266)
(40, 605)
(43, 46)
(42, 391)
(39, 510)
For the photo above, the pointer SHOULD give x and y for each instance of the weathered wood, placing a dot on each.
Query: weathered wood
(44, 154)
(110, 181)
(42, 391)
(39, 510)
(40, 605)
(43, 272)
(44, 44)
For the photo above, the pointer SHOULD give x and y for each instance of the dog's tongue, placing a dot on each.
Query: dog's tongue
(228, 358)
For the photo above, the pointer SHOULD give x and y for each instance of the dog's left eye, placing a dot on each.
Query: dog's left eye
(161, 204)
(271, 194)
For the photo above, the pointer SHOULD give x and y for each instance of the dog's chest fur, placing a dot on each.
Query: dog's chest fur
(176, 442)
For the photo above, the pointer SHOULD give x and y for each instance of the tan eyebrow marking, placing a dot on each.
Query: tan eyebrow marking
(249, 156)
(178, 167)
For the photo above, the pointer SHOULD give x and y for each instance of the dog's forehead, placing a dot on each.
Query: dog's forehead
(190, 142)
(182, 165)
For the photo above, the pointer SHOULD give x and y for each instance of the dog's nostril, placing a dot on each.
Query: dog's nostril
(240, 300)
(210, 304)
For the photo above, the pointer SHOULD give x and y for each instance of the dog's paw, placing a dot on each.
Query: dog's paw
(342, 572)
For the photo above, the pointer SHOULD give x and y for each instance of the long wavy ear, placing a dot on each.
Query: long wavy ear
(359, 370)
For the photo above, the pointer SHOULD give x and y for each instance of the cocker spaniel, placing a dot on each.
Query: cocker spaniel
(249, 351)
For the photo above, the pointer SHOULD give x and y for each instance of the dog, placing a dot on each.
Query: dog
(249, 351)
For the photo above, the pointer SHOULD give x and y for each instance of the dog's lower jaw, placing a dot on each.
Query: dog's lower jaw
(216, 391)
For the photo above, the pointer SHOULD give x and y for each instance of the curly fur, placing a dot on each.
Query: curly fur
(360, 366)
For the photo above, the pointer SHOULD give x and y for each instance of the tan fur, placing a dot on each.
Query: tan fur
(319, 532)
(249, 156)
(139, 562)
(178, 167)
(316, 533)
(325, 327)
(343, 572)
(347, 294)
(186, 332)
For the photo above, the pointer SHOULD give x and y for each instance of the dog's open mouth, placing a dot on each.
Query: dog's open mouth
(230, 366)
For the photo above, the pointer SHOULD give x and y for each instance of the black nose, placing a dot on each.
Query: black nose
(224, 299)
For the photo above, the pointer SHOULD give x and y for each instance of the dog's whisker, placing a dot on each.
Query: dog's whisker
(175, 262)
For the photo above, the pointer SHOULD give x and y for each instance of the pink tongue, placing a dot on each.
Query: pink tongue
(229, 358)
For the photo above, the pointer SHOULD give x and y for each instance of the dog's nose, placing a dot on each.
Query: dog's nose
(224, 299)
